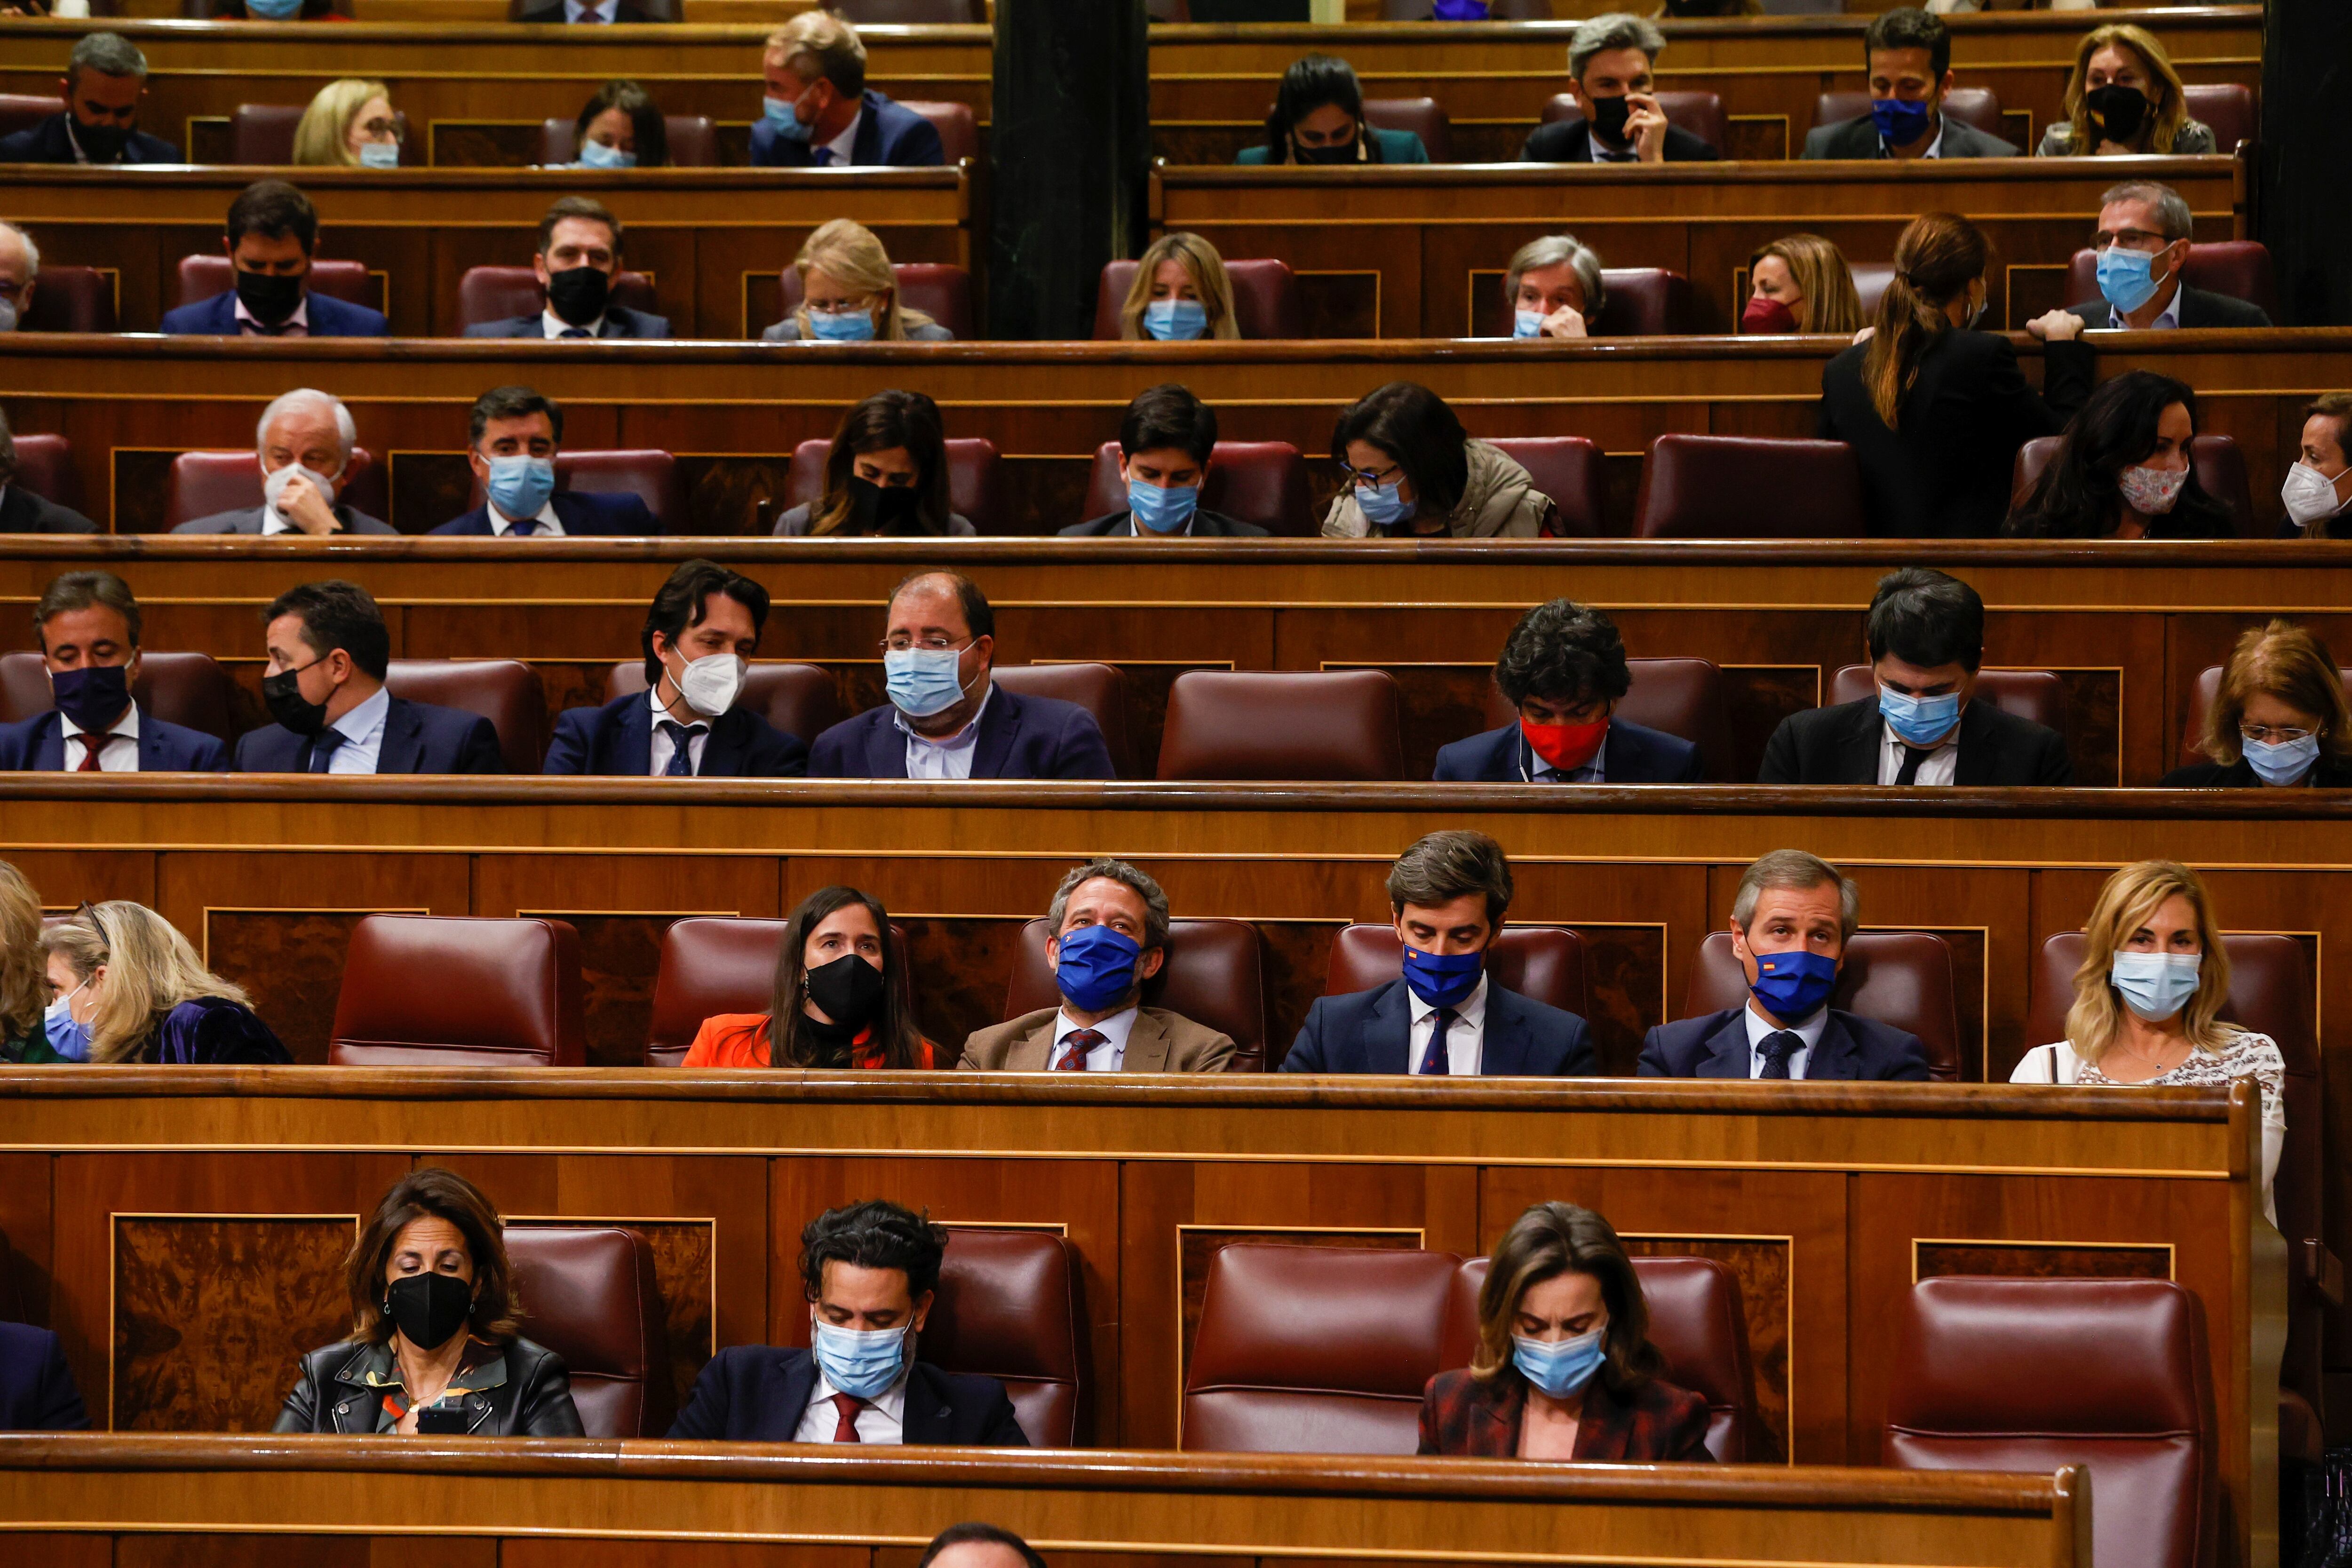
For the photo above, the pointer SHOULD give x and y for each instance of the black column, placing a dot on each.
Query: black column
(2305, 199)
(1069, 153)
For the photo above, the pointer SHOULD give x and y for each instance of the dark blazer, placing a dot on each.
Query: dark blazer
(887, 134)
(328, 318)
(47, 143)
(36, 1387)
(1020, 738)
(1385, 147)
(1570, 142)
(1945, 474)
(619, 321)
(22, 512)
(618, 738)
(248, 520)
(2198, 309)
(212, 1031)
(1859, 139)
(757, 1393)
(1205, 525)
(1714, 1044)
(1839, 746)
(1653, 1423)
(1371, 1032)
(584, 514)
(1635, 754)
(530, 1396)
(541, 16)
(2333, 772)
(418, 738)
(38, 745)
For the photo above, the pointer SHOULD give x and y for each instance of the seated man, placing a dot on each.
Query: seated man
(1790, 921)
(273, 232)
(2145, 230)
(595, 11)
(579, 256)
(20, 276)
(1926, 638)
(702, 627)
(36, 1387)
(946, 719)
(88, 623)
(22, 512)
(512, 436)
(1563, 667)
(1109, 922)
(871, 1272)
(1164, 444)
(1909, 57)
(1447, 1015)
(305, 440)
(106, 76)
(820, 114)
(328, 650)
(1609, 63)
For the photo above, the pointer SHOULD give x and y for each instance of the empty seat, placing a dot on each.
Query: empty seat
(1642, 302)
(2221, 468)
(1700, 114)
(497, 293)
(973, 477)
(2203, 694)
(693, 141)
(650, 475)
(1266, 302)
(1976, 106)
(959, 128)
(939, 290)
(1749, 487)
(1567, 470)
(1263, 482)
(1099, 688)
(1899, 978)
(1682, 697)
(203, 277)
(588, 1294)
(202, 483)
(2241, 268)
(1869, 281)
(45, 465)
(2227, 108)
(2035, 694)
(1282, 724)
(262, 135)
(1545, 964)
(1008, 1308)
(1214, 975)
(710, 966)
(800, 700)
(427, 991)
(185, 688)
(1424, 116)
(71, 299)
(506, 692)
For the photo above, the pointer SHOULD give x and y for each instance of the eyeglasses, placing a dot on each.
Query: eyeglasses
(1372, 478)
(842, 307)
(2270, 735)
(382, 131)
(928, 645)
(2134, 237)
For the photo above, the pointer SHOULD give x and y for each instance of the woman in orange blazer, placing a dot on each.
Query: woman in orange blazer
(1564, 1368)
(841, 993)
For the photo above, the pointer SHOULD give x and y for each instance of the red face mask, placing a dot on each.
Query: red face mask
(1566, 747)
(1766, 316)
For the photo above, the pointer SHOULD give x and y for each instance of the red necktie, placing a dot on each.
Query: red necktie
(849, 1404)
(1075, 1046)
(90, 746)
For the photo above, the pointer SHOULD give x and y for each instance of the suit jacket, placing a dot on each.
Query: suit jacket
(1635, 754)
(584, 514)
(619, 321)
(887, 134)
(541, 16)
(1570, 142)
(38, 745)
(1385, 147)
(328, 318)
(1945, 473)
(1859, 139)
(525, 1392)
(47, 143)
(1371, 1032)
(1205, 525)
(1839, 746)
(756, 1394)
(22, 512)
(618, 738)
(1714, 1044)
(36, 1387)
(2198, 308)
(248, 520)
(418, 738)
(1020, 738)
(1653, 1422)
(2334, 772)
(1161, 1041)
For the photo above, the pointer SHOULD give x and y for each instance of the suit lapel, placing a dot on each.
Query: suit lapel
(1858, 745)
(1146, 1045)
(886, 748)
(1034, 1052)
(152, 758)
(1973, 766)
(867, 148)
(1503, 1053)
(1603, 1427)
(49, 745)
(925, 1418)
(1727, 1049)
(998, 726)
(1834, 1057)
(633, 753)
(402, 749)
(723, 754)
(1388, 1033)
(800, 1387)
(1494, 1421)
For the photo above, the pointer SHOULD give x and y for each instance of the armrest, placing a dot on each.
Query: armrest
(2322, 1271)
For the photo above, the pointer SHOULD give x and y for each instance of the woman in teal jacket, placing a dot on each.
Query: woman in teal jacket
(1318, 118)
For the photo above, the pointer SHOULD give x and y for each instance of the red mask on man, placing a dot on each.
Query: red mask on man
(1566, 747)
(1767, 317)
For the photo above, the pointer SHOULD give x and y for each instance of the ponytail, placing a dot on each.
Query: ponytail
(1937, 259)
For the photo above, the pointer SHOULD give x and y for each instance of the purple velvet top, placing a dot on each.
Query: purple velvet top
(212, 1031)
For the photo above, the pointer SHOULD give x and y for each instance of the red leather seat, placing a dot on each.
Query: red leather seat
(1214, 975)
(23, 111)
(2220, 471)
(650, 475)
(1424, 116)
(2029, 1375)
(2240, 268)
(693, 141)
(187, 688)
(1976, 106)
(262, 135)
(940, 292)
(1282, 724)
(45, 465)
(959, 128)
(710, 966)
(2202, 695)
(202, 276)
(2032, 694)
(1099, 688)
(506, 692)
(1749, 487)
(1008, 1308)
(910, 13)
(1682, 697)
(800, 700)
(2228, 108)
(1700, 114)
(589, 1295)
(71, 299)
(1869, 281)
(1546, 963)
(1567, 470)
(427, 991)
(1267, 304)
(973, 470)
(497, 293)
(202, 483)
(1899, 978)
(1643, 302)
(1263, 482)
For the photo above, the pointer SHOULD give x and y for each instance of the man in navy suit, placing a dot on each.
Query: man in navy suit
(946, 718)
(513, 435)
(871, 1273)
(36, 1387)
(820, 114)
(88, 623)
(1790, 921)
(703, 626)
(329, 651)
(106, 76)
(579, 256)
(1448, 1016)
(1563, 667)
(273, 231)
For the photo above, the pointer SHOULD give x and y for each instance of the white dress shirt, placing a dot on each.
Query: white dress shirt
(1935, 148)
(554, 326)
(603, 12)
(298, 325)
(698, 739)
(840, 147)
(118, 755)
(1109, 1057)
(1809, 1031)
(945, 758)
(1943, 763)
(362, 732)
(1541, 772)
(1465, 1037)
(883, 1419)
(2166, 320)
(550, 525)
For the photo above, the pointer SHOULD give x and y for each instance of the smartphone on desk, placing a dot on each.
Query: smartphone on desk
(442, 1417)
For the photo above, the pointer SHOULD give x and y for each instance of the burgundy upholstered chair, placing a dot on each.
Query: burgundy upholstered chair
(429, 991)
(202, 483)
(1282, 725)
(1008, 1308)
(589, 1295)
(506, 692)
(185, 688)
(1749, 487)
(1899, 978)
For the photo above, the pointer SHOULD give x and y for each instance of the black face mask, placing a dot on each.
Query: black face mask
(1345, 153)
(104, 144)
(282, 695)
(1609, 116)
(578, 294)
(428, 1308)
(93, 696)
(848, 991)
(270, 297)
(883, 509)
(2117, 112)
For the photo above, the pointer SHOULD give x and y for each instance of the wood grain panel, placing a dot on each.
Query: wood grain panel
(64, 880)
(291, 965)
(235, 1551)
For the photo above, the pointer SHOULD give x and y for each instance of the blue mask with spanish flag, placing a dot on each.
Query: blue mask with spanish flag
(1792, 985)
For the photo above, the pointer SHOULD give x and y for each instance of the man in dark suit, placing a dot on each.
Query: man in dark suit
(1563, 667)
(1909, 56)
(820, 114)
(1790, 921)
(1164, 443)
(572, 11)
(1448, 1016)
(1610, 69)
(22, 512)
(2143, 244)
(36, 1387)
(106, 76)
(579, 256)
(1926, 726)
(273, 232)
(704, 624)
(946, 718)
(871, 1272)
(88, 623)
(305, 441)
(324, 686)
(513, 435)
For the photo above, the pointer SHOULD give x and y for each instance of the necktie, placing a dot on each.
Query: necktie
(1778, 1047)
(320, 749)
(681, 757)
(821, 157)
(1434, 1062)
(523, 528)
(573, 332)
(849, 1404)
(1912, 757)
(91, 747)
(1604, 155)
(1075, 1046)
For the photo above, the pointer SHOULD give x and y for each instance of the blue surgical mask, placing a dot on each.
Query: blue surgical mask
(2279, 761)
(1162, 508)
(922, 681)
(1442, 979)
(1559, 1367)
(1900, 120)
(275, 10)
(596, 155)
(1095, 966)
(2127, 278)
(860, 1363)
(1384, 505)
(1919, 720)
(2155, 985)
(1176, 320)
(1527, 323)
(843, 327)
(519, 485)
(379, 155)
(783, 113)
(1793, 985)
(67, 1037)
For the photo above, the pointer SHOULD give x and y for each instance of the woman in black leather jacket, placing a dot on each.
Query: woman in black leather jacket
(434, 1347)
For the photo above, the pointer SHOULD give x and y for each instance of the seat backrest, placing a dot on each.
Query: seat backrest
(496, 293)
(71, 299)
(2227, 108)
(1267, 304)
(1099, 688)
(1544, 964)
(1282, 724)
(1642, 302)
(800, 700)
(1263, 482)
(1214, 975)
(710, 965)
(1567, 469)
(1700, 114)
(973, 476)
(433, 991)
(506, 692)
(1314, 1350)
(959, 128)
(2241, 268)
(45, 465)
(588, 1294)
(1899, 978)
(1976, 106)
(693, 141)
(1749, 487)
(1008, 1308)
(203, 277)
(23, 111)
(1869, 281)
(2220, 464)
(2037, 696)
(2029, 1375)
(936, 288)
(650, 475)
(202, 483)
(2203, 694)
(1424, 116)
(1682, 697)
(261, 135)
(186, 689)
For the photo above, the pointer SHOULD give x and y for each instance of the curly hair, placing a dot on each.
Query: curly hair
(1563, 651)
(876, 1234)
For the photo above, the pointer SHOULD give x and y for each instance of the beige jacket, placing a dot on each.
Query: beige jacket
(1161, 1041)
(1500, 501)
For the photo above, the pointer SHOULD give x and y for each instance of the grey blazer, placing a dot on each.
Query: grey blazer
(794, 524)
(788, 330)
(248, 520)
(1859, 139)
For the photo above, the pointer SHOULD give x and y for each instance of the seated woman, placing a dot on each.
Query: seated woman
(1180, 292)
(349, 124)
(2124, 97)
(849, 295)
(2122, 470)
(1554, 286)
(23, 986)
(887, 474)
(1318, 118)
(841, 991)
(133, 990)
(433, 1313)
(1800, 284)
(621, 128)
(1564, 1367)
(2279, 720)
(1413, 471)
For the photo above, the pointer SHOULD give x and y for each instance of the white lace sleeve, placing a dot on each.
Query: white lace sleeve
(2257, 1057)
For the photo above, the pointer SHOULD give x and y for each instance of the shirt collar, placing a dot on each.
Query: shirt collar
(662, 715)
(844, 144)
(1471, 1009)
(1114, 1030)
(501, 524)
(603, 11)
(1808, 1030)
(963, 739)
(126, 725)
(891, 1401)
(1544, 770)
(552, 325)
(365, 724)
(1951, 738)
(1935, 148)
(2166, 320)
(300, 317)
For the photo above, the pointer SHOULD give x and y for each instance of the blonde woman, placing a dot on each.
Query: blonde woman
(1180, 292)
(2125, 97)
(348, 125)
(1800, 283)
(24, 1038)
(849, 295)
(129, 988)
(2147, 1001)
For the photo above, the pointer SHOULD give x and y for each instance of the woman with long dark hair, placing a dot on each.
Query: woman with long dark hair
(1318, 118)
(2123, 470)
(841, 998)
(887, 475)
(620, 128)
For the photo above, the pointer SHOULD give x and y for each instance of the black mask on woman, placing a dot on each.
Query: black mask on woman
(2117, 112)
(883, 508)
(848, 991)
(282, 695)
(428, 1308)
(1344, 153)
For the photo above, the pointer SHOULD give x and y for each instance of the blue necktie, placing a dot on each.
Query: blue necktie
(322, 749)
(523, 527)
(1776, 1049)
(681, 759)
(573, 332)
(821, 158)
(1434, 1062)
